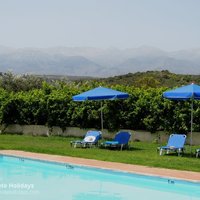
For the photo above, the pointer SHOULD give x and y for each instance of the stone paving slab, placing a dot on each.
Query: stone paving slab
(161, 172)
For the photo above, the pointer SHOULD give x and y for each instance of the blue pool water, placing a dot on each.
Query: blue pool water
(26, 179)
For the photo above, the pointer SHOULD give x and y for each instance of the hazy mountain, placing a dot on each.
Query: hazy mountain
(87, 61)
(141, 64)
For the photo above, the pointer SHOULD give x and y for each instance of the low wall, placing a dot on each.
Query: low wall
(137, 135)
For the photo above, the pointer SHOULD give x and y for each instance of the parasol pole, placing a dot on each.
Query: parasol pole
(101, 117)
(191, 129)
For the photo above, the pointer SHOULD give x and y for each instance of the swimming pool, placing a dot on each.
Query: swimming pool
(29, 179)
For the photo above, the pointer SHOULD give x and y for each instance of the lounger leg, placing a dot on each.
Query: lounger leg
(84, 145)
(198, 153)
(161, 152)
(179, 152)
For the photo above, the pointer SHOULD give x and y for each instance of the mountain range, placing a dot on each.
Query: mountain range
(96, 62)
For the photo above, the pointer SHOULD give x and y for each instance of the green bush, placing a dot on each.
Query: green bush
(52, 105)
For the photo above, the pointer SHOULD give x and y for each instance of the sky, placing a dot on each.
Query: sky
(166, 24)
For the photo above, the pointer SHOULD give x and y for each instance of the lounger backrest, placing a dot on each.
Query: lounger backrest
(122, 137)
(176, 140)
(92, 136)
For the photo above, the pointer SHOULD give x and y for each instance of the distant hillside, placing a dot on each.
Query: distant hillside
(153, 79)
(96, 62)
(149, 79)
(64, 78)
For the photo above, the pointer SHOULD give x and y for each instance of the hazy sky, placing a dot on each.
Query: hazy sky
(166, 24)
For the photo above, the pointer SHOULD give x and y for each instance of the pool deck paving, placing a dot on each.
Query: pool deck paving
(138, 169)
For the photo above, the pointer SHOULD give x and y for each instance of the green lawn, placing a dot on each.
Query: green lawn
(140, 153)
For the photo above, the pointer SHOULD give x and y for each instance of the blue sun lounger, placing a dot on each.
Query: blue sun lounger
(90, 139)
(175, 143)
(120, 141)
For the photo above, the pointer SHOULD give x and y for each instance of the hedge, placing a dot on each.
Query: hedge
(145, 109)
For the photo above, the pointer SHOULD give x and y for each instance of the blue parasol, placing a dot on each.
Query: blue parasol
(100, 93)
(188, 92)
